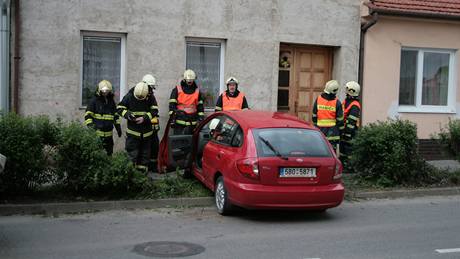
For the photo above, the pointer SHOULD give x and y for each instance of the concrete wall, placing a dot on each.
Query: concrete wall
(383, 44)
(156, 32)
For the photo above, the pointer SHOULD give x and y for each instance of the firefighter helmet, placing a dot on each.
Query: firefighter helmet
(352, 88)
(150, 80)
(331, 87)
(141, 91)
(104, 86)
(189, 75)
(232, 80)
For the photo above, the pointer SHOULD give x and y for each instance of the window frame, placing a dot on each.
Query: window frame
(222, 43)
(122, 37)
(451, 87)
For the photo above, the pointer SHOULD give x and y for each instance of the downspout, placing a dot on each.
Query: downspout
(5, 55)
(16, 57)
(364, 28)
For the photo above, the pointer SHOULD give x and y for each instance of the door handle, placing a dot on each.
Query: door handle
(219, 155)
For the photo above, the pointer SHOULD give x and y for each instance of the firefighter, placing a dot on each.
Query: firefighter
(101, 115)
(138, 109)
(328, 114)
(152, 83)
(351, 115)
(232, 99)
(186, 104)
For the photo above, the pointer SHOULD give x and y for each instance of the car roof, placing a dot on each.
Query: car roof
(267, 119)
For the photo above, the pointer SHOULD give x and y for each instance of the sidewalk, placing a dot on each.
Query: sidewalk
(84, 207)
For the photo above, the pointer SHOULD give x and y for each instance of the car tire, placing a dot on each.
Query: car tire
(222, 202)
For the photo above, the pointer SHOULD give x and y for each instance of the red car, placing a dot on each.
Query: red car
(256, 159)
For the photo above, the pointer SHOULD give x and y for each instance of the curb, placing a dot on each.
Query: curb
(83, 207)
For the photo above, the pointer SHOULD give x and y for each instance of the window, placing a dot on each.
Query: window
(426, 82)
(290, 142)
(102, 58)
(225, 132)
(206, 58)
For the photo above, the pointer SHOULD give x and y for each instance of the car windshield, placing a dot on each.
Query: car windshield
(290, 142)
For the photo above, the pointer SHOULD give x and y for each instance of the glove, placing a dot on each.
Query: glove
(118, 129)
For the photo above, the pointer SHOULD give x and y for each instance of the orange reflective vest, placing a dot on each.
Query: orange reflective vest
(326, 112)
(346, 110)
(187, 102)
(232, 103)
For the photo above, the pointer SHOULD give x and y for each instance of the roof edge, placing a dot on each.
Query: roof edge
(375, 9)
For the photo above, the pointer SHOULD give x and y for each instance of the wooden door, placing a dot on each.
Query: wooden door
(311, 69)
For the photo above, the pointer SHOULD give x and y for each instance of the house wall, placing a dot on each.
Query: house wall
(382, 53)
(156, 32)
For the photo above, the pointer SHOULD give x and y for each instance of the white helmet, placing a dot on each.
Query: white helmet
(141, 91)
(352, 88)
(331, 87)
(150, 80)
(214, 123)
(104, 86)
(231, 80)
(189, 75)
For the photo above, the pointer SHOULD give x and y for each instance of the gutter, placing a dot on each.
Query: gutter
(4, 56)
(16, 57)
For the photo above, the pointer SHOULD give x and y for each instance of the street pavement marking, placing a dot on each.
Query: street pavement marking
(450, 250)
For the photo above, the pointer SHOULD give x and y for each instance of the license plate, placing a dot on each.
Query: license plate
(298, 172)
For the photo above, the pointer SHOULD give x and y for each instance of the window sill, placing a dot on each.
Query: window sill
(427, 109)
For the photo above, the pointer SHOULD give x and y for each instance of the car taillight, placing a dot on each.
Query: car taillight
(248, 167)
(337, 171)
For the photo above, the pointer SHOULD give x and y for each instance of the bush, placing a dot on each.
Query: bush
(449, 136)
(22, 142)
(386, 153)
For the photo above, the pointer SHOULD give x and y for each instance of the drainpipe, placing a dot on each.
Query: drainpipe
(364, 28)
(16, 57)
(4, 55)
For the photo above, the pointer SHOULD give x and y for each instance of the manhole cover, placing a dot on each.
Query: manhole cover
(168, 249)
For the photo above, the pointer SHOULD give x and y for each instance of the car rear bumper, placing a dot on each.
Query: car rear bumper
(295, 197)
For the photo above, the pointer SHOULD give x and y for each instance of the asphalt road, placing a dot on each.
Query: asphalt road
(403, 228)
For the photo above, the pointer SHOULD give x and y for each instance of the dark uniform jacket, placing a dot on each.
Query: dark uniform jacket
(101, 115)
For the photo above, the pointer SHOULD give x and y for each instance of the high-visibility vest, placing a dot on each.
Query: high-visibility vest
(326, 112)
(346, 111)
(187, 102)
(232, 103)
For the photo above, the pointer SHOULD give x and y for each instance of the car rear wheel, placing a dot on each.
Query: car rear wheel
(223, 205)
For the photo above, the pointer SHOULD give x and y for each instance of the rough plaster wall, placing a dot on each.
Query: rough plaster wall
(156, 32)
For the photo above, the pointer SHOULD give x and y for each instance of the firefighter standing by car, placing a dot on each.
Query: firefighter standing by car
(232, 99)
(139, 110)
(186, 104)
(101, 115)
(351, 115)
(328, 114)
(151, 81)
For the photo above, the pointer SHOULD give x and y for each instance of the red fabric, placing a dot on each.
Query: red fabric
(163, 149)
(437, 7)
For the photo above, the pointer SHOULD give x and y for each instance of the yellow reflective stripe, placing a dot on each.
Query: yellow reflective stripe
(89, 113)
(201, 114)
(124, 112)
(149, 115)
(121, 107)
(333, 138)
(350, 126)
(103, 116)
(118, 121)
(138, 134)
(326, 123)
(172, 100)
(314, 115)
(153, 107)
(171, 112)
(156, 127)
(186, 123)
(142, 167)
(218, 108)
(353, 117)
(139, 113)
(88, 121)
(326, 108)
(340, 118)
(101, 133)
(200, 102)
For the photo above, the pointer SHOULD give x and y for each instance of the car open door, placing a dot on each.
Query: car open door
(175, 150)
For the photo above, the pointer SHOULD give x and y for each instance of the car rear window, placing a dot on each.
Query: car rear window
(290, 142)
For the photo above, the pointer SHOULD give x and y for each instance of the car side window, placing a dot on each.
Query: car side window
(226, 131)
(238, 138)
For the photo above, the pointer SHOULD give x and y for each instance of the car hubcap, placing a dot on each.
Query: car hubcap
(220, 195)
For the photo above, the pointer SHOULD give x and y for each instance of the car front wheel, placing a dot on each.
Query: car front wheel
(221, 197)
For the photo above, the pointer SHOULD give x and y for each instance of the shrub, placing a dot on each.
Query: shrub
(22, 143)
(449, 136)
(386, 153)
